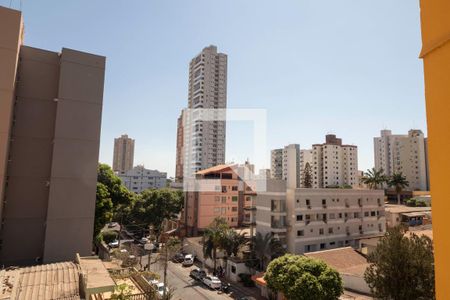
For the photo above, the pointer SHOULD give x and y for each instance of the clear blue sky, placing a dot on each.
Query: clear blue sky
(347, 67)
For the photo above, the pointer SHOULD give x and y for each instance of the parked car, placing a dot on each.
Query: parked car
(188, 260)
(114, 244)
(225, 287)
(159, 287)
(178, 258)
(197, 274)
(212, 282)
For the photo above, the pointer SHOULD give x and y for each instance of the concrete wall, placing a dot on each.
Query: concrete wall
(31, 150)
(71, 207)
(49, 131)
(10, 41)
(355, 283)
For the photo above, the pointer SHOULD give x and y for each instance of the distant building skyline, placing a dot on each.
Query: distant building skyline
(354, 81)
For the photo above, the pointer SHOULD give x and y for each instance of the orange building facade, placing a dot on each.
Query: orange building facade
(435, 16)
(220, 192)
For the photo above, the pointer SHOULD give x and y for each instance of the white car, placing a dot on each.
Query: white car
(159, 286)
(188, 260)
(212, 282)
(114, 244)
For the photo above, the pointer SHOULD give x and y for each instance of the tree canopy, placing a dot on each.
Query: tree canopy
(307, 176)
(374, 178)
(114, 202)
(302, 278)
(402, 267)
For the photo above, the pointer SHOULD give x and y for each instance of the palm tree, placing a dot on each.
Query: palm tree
(399, 182)
(261, 247)
(231, 243)
(373, 178)
(213, 238)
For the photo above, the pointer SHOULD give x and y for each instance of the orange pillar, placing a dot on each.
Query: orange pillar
(435, 15)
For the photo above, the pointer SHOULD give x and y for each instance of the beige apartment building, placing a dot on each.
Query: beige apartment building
(219, 192)
(123, 157)
(203, 143)
(285, 164)
(307, 220)
(50, 117)
(403, 153)
(334, 164)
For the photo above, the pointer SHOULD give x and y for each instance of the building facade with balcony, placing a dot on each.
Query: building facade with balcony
(307, 220)
(218, 192)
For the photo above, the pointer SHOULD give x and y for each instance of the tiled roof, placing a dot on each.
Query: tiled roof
(57, 281)
(344, 260)
(214, 169)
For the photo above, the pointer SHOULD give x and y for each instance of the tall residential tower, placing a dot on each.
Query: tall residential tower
(123, 153)
(50, 117)
(203, 144)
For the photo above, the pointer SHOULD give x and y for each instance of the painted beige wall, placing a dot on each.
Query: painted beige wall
(10, 40)
(49, 208)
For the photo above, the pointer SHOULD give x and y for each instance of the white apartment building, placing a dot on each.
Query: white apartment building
(334, 164)
(140, 179)
(403, 153)
(307, 220)
(207, 90)
(285, 164)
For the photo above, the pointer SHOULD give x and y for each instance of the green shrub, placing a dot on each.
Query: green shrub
(246, 279)
(421, 203)
(109, 236)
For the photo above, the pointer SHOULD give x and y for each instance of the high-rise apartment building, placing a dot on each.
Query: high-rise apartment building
(123, 157)
(334, 164)
(204, 140)
(307, 220)
(403, 153)
(285, 164)
(179, 165)
(50, 117)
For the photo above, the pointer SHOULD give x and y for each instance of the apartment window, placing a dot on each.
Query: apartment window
(299, 217)
(234, 209)
(300, 233)
(321, 231)
(356, 215)
(234, 188)
(366, 214)
(373, 213)
(217, 210)
(330, 230)
(322, 246)
(308, 203)
(224, 199)
(234, 198)
(217, 199)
